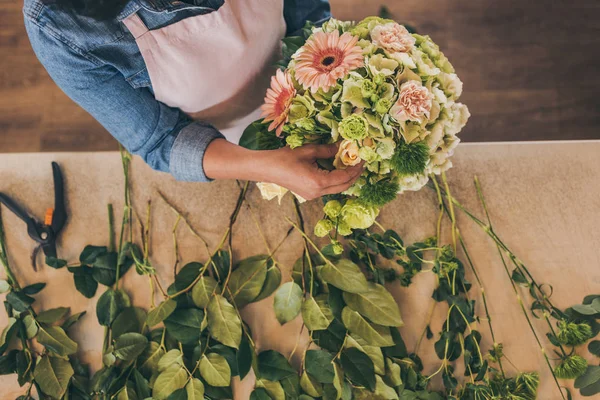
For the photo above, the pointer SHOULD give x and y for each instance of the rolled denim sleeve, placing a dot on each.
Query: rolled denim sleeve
(165, 137)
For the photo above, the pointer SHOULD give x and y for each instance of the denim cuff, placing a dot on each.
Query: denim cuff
(187, 153)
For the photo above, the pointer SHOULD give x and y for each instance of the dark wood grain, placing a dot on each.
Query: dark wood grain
(531, 71)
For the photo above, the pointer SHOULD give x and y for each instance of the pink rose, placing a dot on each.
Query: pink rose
(392, 37)
(414, 102)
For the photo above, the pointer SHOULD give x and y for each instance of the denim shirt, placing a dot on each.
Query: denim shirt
(99, 66)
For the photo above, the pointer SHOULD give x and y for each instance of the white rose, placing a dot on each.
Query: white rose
(269, 191)
(412, 182)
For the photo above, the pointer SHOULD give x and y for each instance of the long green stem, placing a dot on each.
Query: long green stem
(12, 280)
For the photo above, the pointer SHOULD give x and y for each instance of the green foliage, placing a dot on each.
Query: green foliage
(410, 158)
(379, 193)
(258, 137)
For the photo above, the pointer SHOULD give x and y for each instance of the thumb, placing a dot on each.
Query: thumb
(325, 150)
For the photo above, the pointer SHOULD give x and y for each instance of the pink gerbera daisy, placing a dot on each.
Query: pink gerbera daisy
(277, 101)
(325, 58)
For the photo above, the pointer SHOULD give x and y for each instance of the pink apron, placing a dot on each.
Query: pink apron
(215, 67)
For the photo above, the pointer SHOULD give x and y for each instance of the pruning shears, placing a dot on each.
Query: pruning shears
(55, 218)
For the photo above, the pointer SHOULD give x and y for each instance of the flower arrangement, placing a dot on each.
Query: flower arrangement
(388, 97)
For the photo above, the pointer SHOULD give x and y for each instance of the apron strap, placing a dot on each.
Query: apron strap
(135, 25)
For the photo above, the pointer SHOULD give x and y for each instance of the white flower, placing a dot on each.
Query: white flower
(451, 85)
(412, 182)
(381, 64)
(269, 191)
(460, 116)
(385, 148)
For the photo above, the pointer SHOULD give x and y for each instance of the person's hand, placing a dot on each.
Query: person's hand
(296, 169)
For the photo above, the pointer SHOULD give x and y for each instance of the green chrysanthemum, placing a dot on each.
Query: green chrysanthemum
(571, 367)
(383, 106)
(410, 158)
(379, 193)
(323, 227)
(353, 127)
(526, 385)
(332, 209)
(573, 334)
(368, 88)
(357, 214)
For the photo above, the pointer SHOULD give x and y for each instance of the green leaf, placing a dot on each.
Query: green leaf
(345, 275)
(222, 266)
(373, 334)
(374, 353)
(168, 381)
(110, 304)
(247, 280)
(55, 263)
(53, 374)
(72, 320)
(148, 360)
(223, 322)
(31, 289)
(244, 356)
(273, 366)
(316, 314)
(258, 137)
(85, 282)
(8, 333)
(274, 389)
(173, 356)
(310, 385)
(594, 347)
(376, 304)
(52, 315)
(287, 302)
(383, 391)
(19, 301)
(8, 363)
(319, 364)
(90, 253)
(195, 389)
(215, 370)
(187, 275)
(131, 319)
(104, 269)
(56, 340)
(160, 313)
(203, 291)
(130, 345)
(591, 376)
(185, 325)
(142, 390)
(358, 367)
(260, 394)
(31, 328)
(272, 282)
(4, 286)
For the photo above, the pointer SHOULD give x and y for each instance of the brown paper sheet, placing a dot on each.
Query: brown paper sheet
(544, 199)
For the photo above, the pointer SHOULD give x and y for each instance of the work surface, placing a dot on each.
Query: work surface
(544, 199)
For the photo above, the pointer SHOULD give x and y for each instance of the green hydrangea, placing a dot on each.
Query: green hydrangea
(358, 214)
(332, 209)
(352, 93)
(343, 229)
(364, 27)
(323, 227)
(380, 192)
(410, 158)
(353, 127)
(294, 140)
(307, 124)
(379, 64)
(301, 107)
(368, 154)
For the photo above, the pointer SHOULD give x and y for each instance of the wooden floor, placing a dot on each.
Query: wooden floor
(531, 71)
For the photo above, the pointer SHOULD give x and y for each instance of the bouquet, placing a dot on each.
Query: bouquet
(386, 95)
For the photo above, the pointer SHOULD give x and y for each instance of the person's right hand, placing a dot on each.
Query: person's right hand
(296, 169)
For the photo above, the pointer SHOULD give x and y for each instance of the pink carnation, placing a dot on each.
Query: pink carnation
(392, 37)
(414, 102)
